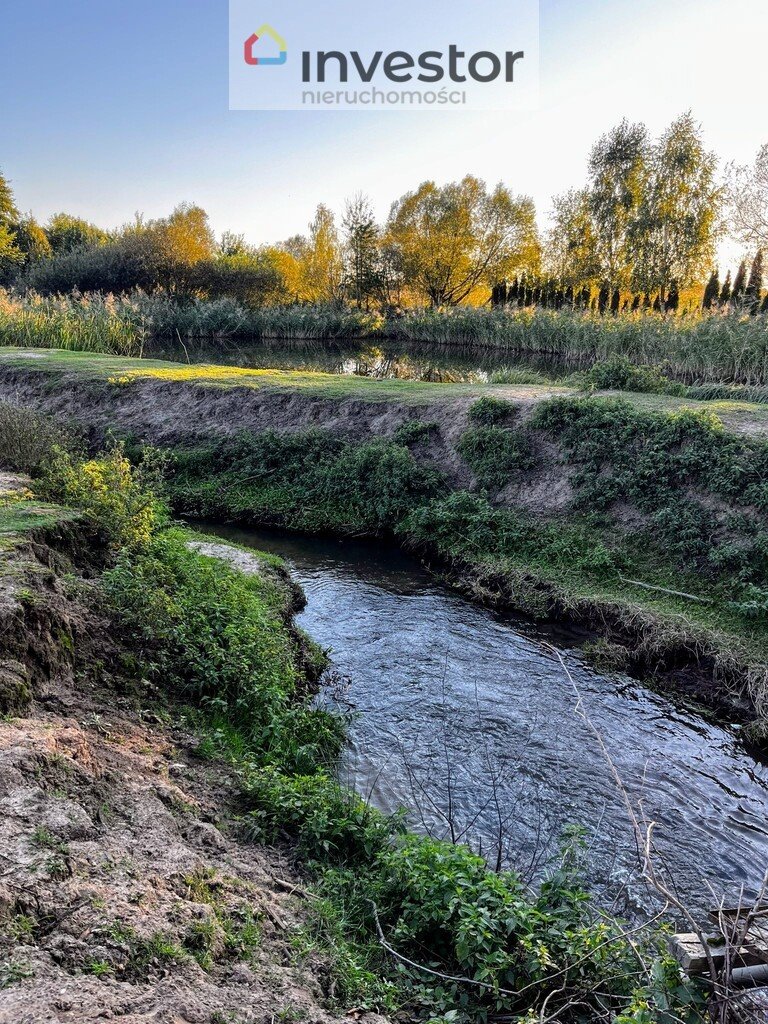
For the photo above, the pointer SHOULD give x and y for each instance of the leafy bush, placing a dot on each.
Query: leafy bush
(620, 374)
(489, 411)
(117, 496)
(218, 638)
(670, 467)
(496, 455)
(328, 822)
(312, 479)
(413, 431)
(439, 905)
(28, 438)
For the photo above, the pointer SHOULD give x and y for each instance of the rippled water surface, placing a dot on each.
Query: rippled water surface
(462, 710)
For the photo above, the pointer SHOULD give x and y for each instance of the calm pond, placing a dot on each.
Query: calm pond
(461, 714)
(365, 358)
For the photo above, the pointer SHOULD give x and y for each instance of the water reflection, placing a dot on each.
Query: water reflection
(384, 361)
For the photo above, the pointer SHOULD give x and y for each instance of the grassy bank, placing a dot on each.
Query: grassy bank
(641, 519)
(220, 643)
(661, 547)
(696, 347)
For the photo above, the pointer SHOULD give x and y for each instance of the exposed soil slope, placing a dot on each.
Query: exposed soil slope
(125, 891)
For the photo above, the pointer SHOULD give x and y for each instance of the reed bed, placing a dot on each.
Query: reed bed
(91, 323)
(227, 318)
(695, 346)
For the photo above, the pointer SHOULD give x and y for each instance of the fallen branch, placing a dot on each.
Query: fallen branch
(665, 590)
(294, 889)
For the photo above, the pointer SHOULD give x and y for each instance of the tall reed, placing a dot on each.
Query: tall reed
(91, 323)
(697, 346)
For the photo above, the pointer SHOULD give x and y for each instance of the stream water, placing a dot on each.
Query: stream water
(462, 716)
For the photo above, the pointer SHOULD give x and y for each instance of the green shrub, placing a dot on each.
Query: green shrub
(440, 906)
(28, 438)
(489, 411)
(119, 497)
(217, 638)
(311, 479)
(329, 823)
(496, 455)
(620, 374)
(670, 467)
(413, 431)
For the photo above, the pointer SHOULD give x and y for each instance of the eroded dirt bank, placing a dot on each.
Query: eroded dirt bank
(126, 891)
(646, 632)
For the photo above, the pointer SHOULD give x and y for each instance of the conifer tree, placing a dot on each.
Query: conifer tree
(740, 284)
(712, 291)
(725, 294)
(755, 283)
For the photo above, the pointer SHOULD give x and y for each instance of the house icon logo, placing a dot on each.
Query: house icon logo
(260, 33)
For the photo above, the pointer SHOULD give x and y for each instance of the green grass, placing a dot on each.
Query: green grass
(20, 517)
(117, 372)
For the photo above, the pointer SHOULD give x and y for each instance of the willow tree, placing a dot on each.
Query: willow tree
(747, 193)
(618, 169)
(673, 235)
(451, 239)
(571, 249)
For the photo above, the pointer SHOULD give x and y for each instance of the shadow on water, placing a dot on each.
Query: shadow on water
(458, 707)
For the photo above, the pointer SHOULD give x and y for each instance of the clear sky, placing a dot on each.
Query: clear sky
(115, 106)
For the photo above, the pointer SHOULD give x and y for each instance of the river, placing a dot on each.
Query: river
(461, 716)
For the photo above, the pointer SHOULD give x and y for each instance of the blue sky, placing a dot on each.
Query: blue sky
(114, 107)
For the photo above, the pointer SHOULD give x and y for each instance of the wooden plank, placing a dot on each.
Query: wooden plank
(691, 954)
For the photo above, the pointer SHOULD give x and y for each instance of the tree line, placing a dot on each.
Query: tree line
(641, 230)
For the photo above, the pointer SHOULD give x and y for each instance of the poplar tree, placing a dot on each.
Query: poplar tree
(618, 166)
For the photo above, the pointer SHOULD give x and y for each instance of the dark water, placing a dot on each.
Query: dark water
(455, 701)
(363, 358)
